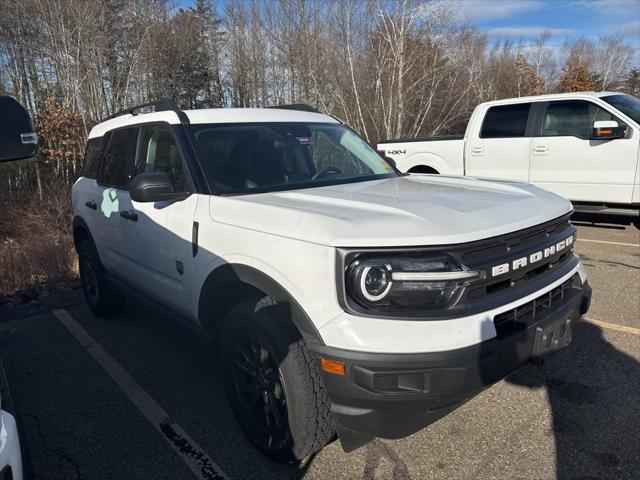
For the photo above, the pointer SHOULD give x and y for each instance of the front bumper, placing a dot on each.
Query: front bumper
(394, 395)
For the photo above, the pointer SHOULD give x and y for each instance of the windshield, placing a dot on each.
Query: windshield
(627, 104)
(253, 158)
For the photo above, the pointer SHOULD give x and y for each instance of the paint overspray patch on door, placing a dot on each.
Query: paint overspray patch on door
(110, 203)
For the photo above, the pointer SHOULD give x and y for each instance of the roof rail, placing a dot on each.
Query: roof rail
(160, 105)
(302, 107)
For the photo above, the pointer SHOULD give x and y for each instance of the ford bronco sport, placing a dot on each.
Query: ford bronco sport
(343, 297)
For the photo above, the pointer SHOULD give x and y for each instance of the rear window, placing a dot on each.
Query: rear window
(92, 157)
(118, 158)
(505, 121)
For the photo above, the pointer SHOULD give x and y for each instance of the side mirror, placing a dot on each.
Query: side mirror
(154, 187)
(17, 138)
(391, 162)
(608, 130)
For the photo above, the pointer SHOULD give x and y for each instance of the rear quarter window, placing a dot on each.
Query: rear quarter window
(505, 121)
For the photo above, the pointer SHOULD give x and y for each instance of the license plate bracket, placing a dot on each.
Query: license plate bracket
(552, 335)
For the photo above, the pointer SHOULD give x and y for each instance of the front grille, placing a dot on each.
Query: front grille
(505, 249)
(521, 317)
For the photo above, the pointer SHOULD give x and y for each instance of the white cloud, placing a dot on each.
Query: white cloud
(527, 31)
(630, 28)
(621, 8)
(493, 9)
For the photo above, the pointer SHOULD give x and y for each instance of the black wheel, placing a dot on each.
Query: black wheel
(99, 295)
(273, 383)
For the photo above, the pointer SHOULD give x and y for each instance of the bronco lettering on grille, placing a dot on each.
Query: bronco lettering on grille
(531, 258)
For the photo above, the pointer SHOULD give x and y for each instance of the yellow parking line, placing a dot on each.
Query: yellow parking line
(613, 326)
(608, 243)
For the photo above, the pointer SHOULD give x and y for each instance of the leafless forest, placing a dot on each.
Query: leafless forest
(389, 69)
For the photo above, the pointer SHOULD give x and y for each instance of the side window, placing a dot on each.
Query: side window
(158, 151)
(573, 118)
(118, 158)
(505, 121)
(92, 157)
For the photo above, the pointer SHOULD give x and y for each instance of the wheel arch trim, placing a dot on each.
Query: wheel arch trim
(229, 274)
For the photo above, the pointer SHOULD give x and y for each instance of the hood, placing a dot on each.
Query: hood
(411, 210)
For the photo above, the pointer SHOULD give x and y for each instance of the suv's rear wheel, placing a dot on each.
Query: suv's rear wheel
(99, 295)
(273, 383)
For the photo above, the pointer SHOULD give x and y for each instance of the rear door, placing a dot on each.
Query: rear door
(500, 147)
(113, 197)
(566, 161)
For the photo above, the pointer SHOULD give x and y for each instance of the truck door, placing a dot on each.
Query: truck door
(566, 161)
(158, 235)
(500, 147)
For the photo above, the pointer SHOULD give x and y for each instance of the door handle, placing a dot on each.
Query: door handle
(91, 204)
(540, 150)
(129, 215)
(477, 151)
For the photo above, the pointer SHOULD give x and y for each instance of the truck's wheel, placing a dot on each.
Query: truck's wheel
(273, 383)
(101, 298)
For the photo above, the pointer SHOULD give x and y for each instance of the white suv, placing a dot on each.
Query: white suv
(344, 297)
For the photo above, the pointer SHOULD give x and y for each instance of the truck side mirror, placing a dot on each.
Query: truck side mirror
(608, 130)
(17, 138)
(154, 187)
(391, 162)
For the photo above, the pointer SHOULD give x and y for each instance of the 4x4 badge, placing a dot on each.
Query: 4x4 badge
(110, 202)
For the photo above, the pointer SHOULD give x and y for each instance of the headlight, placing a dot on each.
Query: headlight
(406, 281)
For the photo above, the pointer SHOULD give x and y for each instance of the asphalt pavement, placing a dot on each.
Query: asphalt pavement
(139, 396)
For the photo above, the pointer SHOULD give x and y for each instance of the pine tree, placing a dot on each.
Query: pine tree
(632, 83)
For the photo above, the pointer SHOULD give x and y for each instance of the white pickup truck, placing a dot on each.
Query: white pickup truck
(583, 146)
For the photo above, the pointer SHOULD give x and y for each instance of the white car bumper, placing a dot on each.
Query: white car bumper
(10, 456)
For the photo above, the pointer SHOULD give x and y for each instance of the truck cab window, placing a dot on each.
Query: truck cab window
(573, 118)
(118, 158)
(158, 151)
(505, 121)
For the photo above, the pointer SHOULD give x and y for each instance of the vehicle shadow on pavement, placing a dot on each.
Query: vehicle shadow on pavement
(199, 389)
(594, 396)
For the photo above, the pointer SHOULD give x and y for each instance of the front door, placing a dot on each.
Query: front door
(566, 161)
(159, 234)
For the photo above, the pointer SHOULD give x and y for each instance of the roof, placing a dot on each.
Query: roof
(214, 115)
(551, 96)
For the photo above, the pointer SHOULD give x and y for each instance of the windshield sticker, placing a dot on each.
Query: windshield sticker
(305, 140)
(110, 202)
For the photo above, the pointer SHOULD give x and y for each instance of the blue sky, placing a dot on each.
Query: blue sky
(565, 19)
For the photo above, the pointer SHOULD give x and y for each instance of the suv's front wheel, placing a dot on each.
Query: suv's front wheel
(101, 298)
(273, 382)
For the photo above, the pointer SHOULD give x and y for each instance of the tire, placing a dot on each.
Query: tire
(99, 295)
(273, 383)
